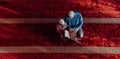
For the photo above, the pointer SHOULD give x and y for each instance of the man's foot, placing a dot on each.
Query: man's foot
(79, 39)
(63, 40)
(76, 40)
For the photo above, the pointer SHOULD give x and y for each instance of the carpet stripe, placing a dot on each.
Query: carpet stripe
(54, 20)
(59, 49)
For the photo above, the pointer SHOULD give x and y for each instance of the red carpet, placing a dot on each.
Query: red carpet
(45, 35)
(59, 56)
(58, 9)
(105, 35)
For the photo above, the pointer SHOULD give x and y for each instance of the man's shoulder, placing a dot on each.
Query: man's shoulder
(67, 18)
(77, 13)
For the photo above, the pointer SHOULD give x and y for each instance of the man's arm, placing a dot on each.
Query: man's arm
(80, 22)
(67, 22)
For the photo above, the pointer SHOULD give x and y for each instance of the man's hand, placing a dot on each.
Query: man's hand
(70, 30)
(72, 33)
(76, 30)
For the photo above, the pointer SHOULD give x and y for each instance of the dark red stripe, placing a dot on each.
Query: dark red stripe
(45, 35)
(58, 56)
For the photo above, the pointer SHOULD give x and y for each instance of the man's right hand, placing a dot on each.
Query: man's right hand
(70, 30)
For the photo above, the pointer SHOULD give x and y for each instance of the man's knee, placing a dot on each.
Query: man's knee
(80, 33)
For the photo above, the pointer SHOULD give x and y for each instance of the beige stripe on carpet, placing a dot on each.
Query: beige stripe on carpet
(54, 20)
(59, 49)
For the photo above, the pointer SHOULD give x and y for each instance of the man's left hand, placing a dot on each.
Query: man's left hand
(76, 30)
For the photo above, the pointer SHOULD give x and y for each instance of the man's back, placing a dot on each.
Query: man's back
(75, 22)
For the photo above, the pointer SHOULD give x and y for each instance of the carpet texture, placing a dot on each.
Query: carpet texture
(45, 35)
(58, 9)
(59, 56)
(105, 35)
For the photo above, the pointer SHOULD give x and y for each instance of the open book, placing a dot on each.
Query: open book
(67, 34)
